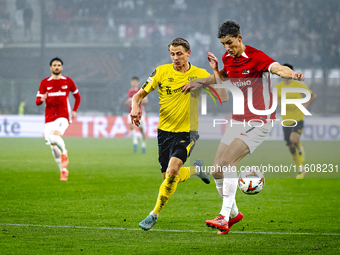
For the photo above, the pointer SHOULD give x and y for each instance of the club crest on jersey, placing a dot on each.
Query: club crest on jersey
(64, 87)
(245, 72)
(153, 73)
(191, 78)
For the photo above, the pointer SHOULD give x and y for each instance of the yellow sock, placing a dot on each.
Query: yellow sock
(193, 170)
(185, 173)
(166, 190)
(301, 153)
(296, 157)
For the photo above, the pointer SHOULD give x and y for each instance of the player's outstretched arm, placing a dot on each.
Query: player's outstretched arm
(312, 98)
(219, 76)
(286, 73)
(145, 100)
(136, 111)
(128, 101)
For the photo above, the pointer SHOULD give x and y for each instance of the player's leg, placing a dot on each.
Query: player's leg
(217, 172)
(56, 152)
(238, 142)
(142, 130)
(231, 156)
(235, 214)
(133, 137)
(297, 153)
(57, 157)
(166, 190)
(197, 168)
(59, 127)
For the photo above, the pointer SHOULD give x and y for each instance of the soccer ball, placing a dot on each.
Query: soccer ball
(251, 181)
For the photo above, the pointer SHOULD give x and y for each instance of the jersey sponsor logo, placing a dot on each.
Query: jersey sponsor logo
(57, 94)
(242, 83)
(168, 90)
(48, 88)
(145, 84)
(64, 87)
(245, 72)
(170, 79)
(153, 74)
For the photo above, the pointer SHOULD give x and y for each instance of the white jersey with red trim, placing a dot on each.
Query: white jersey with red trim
(57, 102)
(251, 70)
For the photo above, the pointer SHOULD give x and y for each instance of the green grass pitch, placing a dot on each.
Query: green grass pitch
(111, 189)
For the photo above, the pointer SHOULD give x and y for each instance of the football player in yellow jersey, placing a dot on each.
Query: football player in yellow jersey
(293, 130)
(178, 122)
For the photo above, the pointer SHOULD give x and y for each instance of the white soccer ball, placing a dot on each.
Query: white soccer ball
(251, 181)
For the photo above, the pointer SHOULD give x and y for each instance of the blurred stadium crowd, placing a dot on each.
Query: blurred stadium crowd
(104, 43)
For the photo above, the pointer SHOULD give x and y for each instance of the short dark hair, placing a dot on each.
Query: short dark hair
(135, 78)
(180, 42)
(230, 28)
(56, 59)
(289, 65)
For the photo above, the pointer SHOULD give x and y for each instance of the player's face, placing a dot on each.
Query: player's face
(134, 84)
(233, 45)
(179, 56)
(56, 67)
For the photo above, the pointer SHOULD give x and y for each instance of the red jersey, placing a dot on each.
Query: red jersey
(131, 93)
(251, 70)
(57, 103)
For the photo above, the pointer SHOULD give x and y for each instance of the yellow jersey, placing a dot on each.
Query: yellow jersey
(178, 110)
(292, 111)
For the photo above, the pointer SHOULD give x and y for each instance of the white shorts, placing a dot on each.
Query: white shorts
(142, 121)
(252, 136)
(60, 124)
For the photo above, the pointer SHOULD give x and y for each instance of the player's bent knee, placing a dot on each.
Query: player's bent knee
(56, 132)
(217, 175)
(172, 171)
(226, 162)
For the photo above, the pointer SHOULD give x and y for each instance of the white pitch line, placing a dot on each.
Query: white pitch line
(170, 230)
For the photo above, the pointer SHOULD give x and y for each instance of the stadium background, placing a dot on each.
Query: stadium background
(104, 43)
(110, 190)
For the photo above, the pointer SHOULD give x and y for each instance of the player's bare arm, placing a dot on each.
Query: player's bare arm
(145, 100)
(312, 98)
(286, 73)
(136, 111)
(216, 78)
(74, 115)
(128, 101)
(219, 76)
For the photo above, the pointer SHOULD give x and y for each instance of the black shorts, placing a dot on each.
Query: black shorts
(289, 129)
(177, 145)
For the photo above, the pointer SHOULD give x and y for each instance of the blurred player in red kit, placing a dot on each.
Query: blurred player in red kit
(54, 91)
(131, 92)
